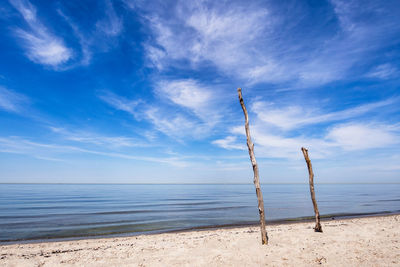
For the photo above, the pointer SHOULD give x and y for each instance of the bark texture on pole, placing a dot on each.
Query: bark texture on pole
(317, 227)
(250, 145)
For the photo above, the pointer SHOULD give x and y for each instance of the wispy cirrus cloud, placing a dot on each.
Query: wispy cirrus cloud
(41, 46)
(200, 99)
(229, 142)
(84, 41)
(186, 108)
(86, 137)
(45, 47)
(56, 152)
(356, 136)
(98, 36)
(169, 124)
(384, 71)
(292, 117)
(187, 93)
(246, 42)
(111, 25)
(271, 145)
(277, 134)
(121, 103)
(335, 140)
(200, 32)
(350, 14)
(11, 101)
(175, 125)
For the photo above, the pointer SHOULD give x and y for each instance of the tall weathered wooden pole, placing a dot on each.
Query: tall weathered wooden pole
(250, 145)
(317, 227)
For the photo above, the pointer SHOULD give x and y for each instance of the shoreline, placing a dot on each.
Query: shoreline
(367, 241)
(308, 219)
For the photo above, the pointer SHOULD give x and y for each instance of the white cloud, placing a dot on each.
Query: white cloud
(111, 25)
(341, 138)
(44, 49)
(11, 101)
(174, 125)
(41, 46)
(270, 145)
(184, 108)
(164, 118)
(202, 100)
(121, 103)
(246, 42)
(199, 107)
(85, 43)
(274, 135)
(198, 33)
(106, 31)
(384, 71)
(360, 137)
(48, 151)
(98, 139)
(155, 56)
(187, 93)
(229, 142)
(292, 117)
(348, 13)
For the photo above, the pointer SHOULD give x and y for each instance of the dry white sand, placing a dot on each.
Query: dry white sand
(373, 241)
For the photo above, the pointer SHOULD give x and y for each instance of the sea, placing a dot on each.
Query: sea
(37, 212)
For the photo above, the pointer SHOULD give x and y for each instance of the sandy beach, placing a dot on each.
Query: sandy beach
(370, 241)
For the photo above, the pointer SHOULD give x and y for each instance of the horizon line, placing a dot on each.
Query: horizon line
(196, 183)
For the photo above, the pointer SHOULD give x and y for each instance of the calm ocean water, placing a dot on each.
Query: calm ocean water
(40, 211)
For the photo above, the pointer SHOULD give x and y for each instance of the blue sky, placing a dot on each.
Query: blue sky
(145, 91)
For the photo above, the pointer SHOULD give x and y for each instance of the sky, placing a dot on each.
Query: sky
(120, 91)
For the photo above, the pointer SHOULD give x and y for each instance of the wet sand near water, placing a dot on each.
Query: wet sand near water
(369, 241)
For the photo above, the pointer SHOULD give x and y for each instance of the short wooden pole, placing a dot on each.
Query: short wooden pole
(317, 227)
